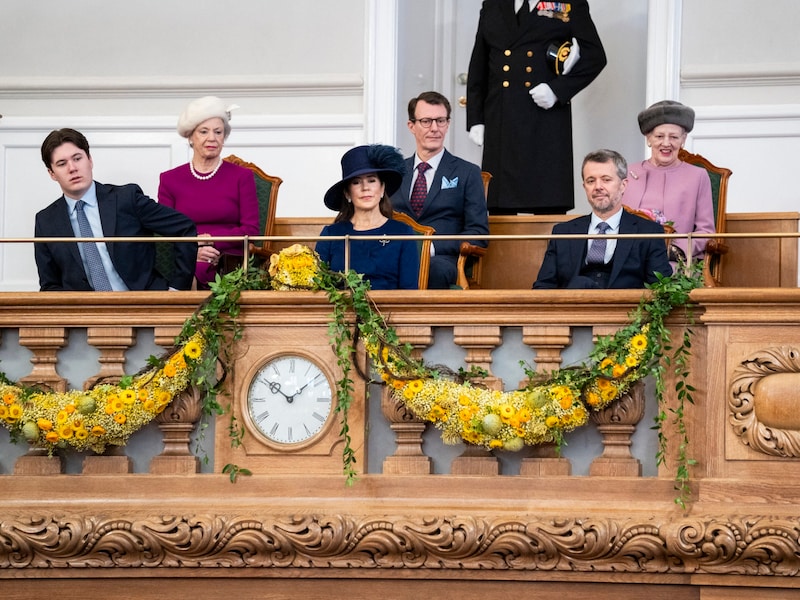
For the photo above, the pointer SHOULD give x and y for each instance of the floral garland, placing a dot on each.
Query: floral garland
(551, 405)
(102, 416)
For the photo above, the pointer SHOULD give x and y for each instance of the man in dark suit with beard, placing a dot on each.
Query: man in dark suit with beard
(613, 263)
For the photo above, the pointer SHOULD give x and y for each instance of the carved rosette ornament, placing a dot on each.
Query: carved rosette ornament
(741, 545)
(764, 400)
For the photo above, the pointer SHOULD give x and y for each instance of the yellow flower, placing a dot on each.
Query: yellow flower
(51, 437)
(98, 430)
(9, 398)
(3, 412)
(592, 399)
(464, 400)
(65, 432)
(169, 370)
(149, 405)
(495, 444)
(44, 424)
(631, 361)
(604, 384)
(524, 414)
(70, 408)
(120, 418)
(437, 413)
(639, 342)
(416, 386)
(128, 396)
(608, 394)
(606, 362)
(117, 404)
(565, 402)
(506, 411)
(81, 434)
(14, 412)
(398, 384)
(192, 350)
(551, 421)
(143, 394)
(618, 371)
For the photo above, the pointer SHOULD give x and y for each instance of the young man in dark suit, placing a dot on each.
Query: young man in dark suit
(441, 190)
(91, 209)
(600, 263)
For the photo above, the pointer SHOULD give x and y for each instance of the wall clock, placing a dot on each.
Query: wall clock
(282, 393)
(289, 400)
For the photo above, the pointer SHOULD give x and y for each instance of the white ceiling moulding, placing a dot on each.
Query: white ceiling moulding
(341, 84)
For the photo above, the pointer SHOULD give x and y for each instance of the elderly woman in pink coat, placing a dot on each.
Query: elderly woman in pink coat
(671, 190)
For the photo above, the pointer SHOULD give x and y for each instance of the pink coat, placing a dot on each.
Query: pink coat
(681, 193)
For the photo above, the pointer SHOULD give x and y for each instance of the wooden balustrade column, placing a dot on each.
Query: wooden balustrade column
(408, 459)
(112, 342)
(479, 342)
(44, 342)
(548, 342)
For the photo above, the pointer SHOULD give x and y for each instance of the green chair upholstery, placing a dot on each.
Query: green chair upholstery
(267, 191)
(424, 246)
(716, 247)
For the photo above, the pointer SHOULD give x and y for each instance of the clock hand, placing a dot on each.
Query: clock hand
(274, 387)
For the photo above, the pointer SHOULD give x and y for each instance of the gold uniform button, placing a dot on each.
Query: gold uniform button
(527, 84)
(528, 69)
(530, 53)
(506, 68)
(507, 52)
(505, 84)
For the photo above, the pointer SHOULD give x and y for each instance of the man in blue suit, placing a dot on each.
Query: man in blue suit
(600, 263)
(90, 209)
(441, 190)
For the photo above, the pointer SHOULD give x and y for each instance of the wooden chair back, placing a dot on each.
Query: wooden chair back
(715, 248)
(424, 246)
(267, 191)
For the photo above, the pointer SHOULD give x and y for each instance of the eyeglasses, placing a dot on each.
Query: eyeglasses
(426, 122)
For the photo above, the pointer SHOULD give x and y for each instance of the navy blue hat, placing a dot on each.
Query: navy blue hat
(375, 158)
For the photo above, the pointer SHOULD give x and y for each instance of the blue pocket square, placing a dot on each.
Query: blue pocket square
(449, 183)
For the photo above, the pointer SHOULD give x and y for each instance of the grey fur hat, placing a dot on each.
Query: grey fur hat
(666, 111)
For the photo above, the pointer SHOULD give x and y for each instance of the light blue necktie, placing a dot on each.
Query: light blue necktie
(97, 273)
(597, 249)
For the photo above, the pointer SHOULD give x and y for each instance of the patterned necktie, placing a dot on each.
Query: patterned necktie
(97, 274)
(597, 249)
(420, 191)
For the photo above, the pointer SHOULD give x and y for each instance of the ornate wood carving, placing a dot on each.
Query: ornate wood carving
(760, 398)
(745, 545)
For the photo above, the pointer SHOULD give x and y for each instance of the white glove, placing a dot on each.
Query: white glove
(574, 55)
(476, 134)
(543, 96)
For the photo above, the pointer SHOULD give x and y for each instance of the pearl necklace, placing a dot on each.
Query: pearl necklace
(204, 177)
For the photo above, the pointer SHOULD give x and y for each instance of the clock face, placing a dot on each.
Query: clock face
(289, 400)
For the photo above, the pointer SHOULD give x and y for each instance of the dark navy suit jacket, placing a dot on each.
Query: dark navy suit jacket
(455, 204)
(636, 260)
(125, 212)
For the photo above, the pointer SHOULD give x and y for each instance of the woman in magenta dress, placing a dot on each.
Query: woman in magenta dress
(673, 191)
(218, 196)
